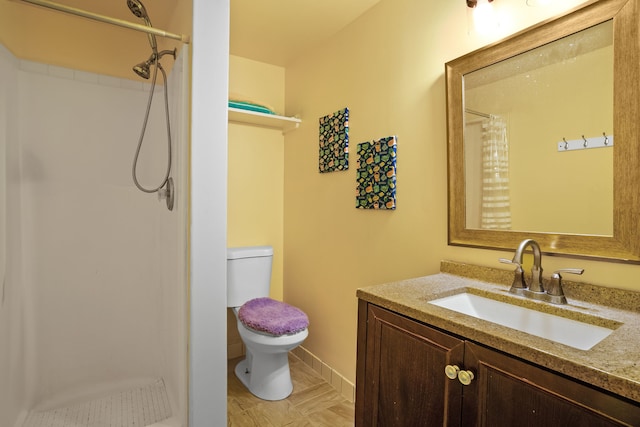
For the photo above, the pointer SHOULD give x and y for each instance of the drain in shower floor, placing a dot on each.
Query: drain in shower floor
(136, 407)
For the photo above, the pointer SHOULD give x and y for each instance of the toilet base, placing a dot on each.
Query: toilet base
(268, 378)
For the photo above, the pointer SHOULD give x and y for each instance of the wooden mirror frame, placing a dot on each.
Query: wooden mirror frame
(624, 244)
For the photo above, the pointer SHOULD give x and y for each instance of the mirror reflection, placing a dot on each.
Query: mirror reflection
(520, 115)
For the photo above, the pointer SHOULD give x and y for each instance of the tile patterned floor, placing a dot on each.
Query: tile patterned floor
(313, 403)
(142, 405)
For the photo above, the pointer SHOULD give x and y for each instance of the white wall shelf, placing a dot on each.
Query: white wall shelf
(286, 124)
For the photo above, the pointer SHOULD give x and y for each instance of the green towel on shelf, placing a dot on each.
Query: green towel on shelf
(250, 107)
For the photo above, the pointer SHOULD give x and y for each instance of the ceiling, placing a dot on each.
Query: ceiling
(276, 31)
(271, 31)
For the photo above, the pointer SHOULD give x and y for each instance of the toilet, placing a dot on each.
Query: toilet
(268, 328)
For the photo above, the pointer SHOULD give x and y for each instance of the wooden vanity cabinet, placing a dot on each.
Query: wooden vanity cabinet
(401, 381)
(400, 377)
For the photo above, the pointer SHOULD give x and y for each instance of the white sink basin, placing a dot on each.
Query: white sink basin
(570, 332)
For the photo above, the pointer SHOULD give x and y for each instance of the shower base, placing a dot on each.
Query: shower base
(137, 406)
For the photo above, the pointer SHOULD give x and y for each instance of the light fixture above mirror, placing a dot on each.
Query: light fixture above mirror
(483, 19)
(474, 3)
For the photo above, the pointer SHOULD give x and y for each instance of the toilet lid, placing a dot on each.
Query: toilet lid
(273, 317)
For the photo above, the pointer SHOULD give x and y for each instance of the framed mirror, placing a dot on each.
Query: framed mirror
(543, 136)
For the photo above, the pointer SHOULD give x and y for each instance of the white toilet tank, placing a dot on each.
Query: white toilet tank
(248, 273)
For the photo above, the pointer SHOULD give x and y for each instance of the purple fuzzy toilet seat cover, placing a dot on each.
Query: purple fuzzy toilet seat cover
(272, 317)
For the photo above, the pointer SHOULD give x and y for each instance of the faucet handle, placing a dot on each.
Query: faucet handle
(518, 278)
(555, 285)
(577, 271)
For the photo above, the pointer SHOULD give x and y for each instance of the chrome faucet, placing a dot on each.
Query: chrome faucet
(536, 289)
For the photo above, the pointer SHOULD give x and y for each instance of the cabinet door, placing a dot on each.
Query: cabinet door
(404, 382)
(509, 392)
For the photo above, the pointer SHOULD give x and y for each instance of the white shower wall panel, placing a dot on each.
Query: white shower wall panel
(92, 244)
(173, 240)
(12, 348)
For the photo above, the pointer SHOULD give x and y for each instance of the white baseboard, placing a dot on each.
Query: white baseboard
(333, 377)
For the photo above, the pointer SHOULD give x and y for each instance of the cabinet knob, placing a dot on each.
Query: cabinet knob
(465, 377)
(451, 371)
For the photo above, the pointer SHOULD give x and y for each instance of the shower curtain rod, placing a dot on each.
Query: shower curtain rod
(106, 19)
(477, 113)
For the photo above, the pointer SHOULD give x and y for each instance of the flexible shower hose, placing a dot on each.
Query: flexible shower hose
(144, 128)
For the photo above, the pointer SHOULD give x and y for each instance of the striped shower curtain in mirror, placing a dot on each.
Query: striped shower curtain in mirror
(496, 203)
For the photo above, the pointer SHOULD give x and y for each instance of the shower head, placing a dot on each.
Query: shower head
(143, 69)
(137, 8)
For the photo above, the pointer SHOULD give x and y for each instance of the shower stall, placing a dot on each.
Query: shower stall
(93, 297)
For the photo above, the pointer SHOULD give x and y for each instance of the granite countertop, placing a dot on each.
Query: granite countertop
(613, 364)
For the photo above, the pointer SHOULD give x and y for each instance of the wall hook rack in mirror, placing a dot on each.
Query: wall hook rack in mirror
(585, 143)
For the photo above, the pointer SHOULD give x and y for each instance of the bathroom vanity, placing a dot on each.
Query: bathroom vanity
(420, 364)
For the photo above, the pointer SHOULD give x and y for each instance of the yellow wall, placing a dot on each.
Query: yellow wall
(256, 167)
(388, 68)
